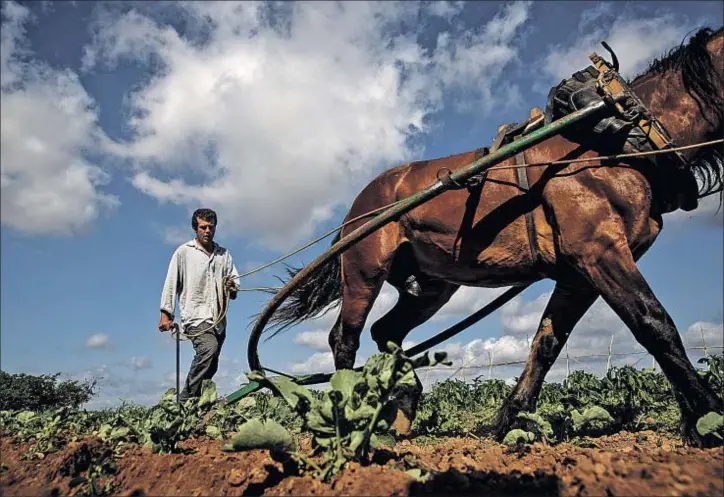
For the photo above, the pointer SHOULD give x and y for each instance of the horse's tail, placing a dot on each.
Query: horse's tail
(314, 297)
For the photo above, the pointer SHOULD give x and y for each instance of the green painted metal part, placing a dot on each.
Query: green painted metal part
(248, 389)
(396, 211)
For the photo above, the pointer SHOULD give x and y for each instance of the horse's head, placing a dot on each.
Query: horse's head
(684, 90)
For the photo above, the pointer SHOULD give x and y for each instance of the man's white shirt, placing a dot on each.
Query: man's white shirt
(197, 278)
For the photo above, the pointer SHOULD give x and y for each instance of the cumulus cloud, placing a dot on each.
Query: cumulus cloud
(386, 300)
(636, 41)
(139, 363)
(466, 301)
(316, 340)
(98, 341)
(445, 9)
(703, 333)
(588, 346)
(298, 105)
(174, 235)
(322, 362)
(49, 129)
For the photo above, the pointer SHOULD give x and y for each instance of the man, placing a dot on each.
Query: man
(196, 275)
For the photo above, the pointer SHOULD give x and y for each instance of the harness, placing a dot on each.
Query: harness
(631, 127)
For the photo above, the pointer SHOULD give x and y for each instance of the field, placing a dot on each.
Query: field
(615, 435)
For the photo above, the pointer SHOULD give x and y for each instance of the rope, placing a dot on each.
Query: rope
(279, 259)
(385, 207)
(610, 157)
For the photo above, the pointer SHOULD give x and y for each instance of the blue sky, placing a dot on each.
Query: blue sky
(119, 121)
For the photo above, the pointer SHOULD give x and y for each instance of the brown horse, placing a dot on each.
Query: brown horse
(590, 224)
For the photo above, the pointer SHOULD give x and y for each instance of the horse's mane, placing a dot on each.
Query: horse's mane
(699, 77)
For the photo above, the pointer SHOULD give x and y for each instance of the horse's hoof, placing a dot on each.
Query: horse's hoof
(402, 424)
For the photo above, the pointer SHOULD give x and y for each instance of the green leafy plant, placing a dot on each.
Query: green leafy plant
(258, 434)
(593, 419)
(516, 436)
(538, 426)
(711, 425)
(714, 372)
(164, 425)
(355, 415)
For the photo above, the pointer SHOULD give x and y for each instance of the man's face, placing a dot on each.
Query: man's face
(205, 231)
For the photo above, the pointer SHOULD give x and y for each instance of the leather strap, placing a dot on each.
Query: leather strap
(503, 131)
(523, 183)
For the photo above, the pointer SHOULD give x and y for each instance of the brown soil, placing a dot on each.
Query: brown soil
(624, 464)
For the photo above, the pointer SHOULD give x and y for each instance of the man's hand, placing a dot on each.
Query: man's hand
(166, 322)
(230, 285)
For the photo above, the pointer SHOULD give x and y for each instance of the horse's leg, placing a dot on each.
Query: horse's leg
(567, 305)
(365, 267)
(409, 312)
(611, 268)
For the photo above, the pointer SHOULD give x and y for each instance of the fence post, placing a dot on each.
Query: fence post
(703, 341)
(490, 365)
(568, 368)
(608, 361)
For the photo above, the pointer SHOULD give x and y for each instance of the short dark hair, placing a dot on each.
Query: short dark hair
(204, 215)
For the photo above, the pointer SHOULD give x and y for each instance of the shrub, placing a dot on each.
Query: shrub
(36, 393)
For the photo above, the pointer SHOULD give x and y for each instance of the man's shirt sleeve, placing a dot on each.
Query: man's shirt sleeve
(173, 284)
(231, 270)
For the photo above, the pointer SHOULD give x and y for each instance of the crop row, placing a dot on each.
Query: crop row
(354, 416)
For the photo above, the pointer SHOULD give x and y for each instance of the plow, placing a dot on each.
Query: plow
(596, 99)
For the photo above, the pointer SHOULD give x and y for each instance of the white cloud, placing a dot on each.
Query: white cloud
(319, 362)
(635, 40)
(98, 341)
(446, 9)
(593, 15)
(317, 340)
(176, 236)
(466, 301)
(592, 333)
(49, 125)
(592, 336)
(386, 300)
(288, 120)
(138, 363)
(703, 333)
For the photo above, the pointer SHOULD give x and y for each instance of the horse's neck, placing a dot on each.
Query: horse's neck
(668, 101)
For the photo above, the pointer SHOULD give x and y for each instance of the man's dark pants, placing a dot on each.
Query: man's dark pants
(206, 360)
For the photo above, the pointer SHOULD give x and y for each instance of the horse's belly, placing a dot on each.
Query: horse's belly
(493, 259)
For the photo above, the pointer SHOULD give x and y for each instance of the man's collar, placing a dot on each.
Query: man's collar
(195, 244)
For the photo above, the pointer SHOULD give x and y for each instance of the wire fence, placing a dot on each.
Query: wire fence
(491, 364)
